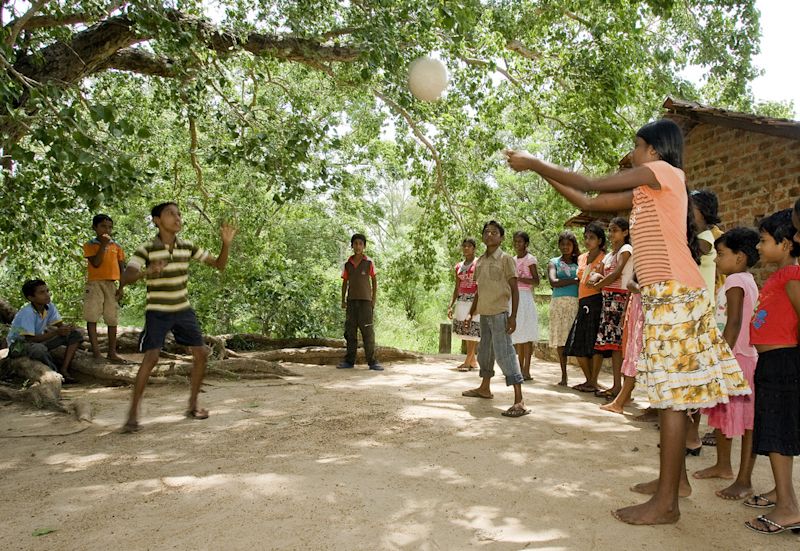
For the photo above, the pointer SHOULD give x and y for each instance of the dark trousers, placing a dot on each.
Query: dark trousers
(359, 317)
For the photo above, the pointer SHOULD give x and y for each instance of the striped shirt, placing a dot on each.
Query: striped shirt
(658, 230)
(166, 292)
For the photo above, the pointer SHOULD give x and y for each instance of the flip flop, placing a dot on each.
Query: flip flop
(463, 368)
(605, 393)
(772, 527)
(758, 501)
(199, 413)
(515, 412)
(709, 439)
(472, 393)
(130, 428)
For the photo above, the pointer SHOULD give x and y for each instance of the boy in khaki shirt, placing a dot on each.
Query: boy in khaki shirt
(496, 276)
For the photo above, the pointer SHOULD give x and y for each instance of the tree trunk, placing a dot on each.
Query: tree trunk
(42, 386)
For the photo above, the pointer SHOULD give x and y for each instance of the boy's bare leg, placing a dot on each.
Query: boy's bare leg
(68, 355)
(518, 402)
(199, 360)
(663, 508)
(520, 350)
(112, 343)
(562, 359)
(91, 329)
(742, 487)
(722, 468)
(148, 362)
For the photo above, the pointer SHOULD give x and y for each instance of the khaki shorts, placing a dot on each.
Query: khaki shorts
(100, 301)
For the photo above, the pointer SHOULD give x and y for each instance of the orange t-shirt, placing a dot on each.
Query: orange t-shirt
(109, 267)
(658, 230)
(584, 269)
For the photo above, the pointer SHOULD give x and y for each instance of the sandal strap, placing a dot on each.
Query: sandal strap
(769, 522)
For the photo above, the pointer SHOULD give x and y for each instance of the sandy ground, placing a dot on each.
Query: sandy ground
(349, 460)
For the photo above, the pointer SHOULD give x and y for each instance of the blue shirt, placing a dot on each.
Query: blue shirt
(565, 270)
(29, 322)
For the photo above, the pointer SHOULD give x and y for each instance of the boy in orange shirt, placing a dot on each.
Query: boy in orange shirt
(102, 296)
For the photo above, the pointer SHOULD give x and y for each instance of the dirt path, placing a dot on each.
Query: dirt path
(349, 460)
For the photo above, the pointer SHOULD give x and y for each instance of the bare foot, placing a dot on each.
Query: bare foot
(613, 408)
(735, 491)
(649, 488)
(562, 382)
(646, 514)
(714, 471)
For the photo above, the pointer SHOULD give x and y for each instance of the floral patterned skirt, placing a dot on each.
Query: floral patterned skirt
(685, 363)
(466, 330)
(609, 335)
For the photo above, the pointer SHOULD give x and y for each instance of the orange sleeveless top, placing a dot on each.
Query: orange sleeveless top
(658, 230)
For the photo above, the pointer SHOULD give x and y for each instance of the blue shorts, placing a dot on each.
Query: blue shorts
(183, 325)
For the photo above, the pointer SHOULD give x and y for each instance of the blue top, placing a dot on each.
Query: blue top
(29, 322)
(565, 270)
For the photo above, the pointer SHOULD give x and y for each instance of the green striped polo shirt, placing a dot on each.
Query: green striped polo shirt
(167, 292)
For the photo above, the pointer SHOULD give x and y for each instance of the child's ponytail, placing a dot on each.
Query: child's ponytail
(691, 229)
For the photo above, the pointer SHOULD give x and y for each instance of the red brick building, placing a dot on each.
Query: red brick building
(752, 163)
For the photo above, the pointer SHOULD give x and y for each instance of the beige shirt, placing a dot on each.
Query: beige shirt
(493, 274)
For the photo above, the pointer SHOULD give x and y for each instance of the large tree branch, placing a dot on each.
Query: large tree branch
(15, 27)
(49, 21)
(137, 60)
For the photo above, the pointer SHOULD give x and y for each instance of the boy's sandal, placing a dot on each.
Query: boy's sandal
(757, 501)
(130, 427)
(199, 413)
(514, 411)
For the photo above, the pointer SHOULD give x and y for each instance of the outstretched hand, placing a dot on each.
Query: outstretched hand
(519, 160)
(227, 232)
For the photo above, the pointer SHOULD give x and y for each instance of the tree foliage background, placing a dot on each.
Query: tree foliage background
(293, 119)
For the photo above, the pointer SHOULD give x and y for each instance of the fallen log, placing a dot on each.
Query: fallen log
(322, 355)
(41, 385)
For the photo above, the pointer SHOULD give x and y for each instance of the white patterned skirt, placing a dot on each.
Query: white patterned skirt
(527, 319)
(466, 330)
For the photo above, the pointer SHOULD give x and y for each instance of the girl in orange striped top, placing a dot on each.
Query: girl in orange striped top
(685, 364)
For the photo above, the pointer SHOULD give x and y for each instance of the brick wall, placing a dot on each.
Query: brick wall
(753, 174)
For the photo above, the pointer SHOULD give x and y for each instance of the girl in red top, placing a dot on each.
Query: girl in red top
(685, 364)
(467, 329)
(773, 331)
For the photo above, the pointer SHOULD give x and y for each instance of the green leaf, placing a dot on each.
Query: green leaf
(43, 531)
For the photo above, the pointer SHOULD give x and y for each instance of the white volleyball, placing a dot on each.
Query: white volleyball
(427, 78)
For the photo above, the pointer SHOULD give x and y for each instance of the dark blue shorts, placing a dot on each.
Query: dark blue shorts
(183, 325)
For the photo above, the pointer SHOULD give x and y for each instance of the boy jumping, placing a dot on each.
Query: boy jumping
(164, 261)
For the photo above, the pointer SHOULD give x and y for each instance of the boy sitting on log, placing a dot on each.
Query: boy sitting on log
(37, 329)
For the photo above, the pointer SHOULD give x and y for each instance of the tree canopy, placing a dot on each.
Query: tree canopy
(294, 118)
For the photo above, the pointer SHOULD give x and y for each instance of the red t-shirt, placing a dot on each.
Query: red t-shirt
(466, 278)
(774, 320)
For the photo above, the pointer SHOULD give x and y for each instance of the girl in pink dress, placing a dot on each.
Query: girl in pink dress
(736, 252)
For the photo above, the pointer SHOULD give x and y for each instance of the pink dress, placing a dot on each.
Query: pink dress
(634, 325)
(736, 416)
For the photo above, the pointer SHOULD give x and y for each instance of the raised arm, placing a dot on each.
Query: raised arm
(227, 232)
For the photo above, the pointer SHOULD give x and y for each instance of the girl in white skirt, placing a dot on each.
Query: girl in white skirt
(463, 295)
(527, 331)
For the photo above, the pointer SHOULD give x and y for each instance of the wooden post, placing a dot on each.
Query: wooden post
(445, 338)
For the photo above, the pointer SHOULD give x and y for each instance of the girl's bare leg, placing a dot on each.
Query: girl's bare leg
(597, 364)
(616, 369)
(562, 358)
(742, 487)
(786, 511)
(623, 397)
(722, 468)
(583, 362)
(663, 508)
(693, 434)
(471, 360)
